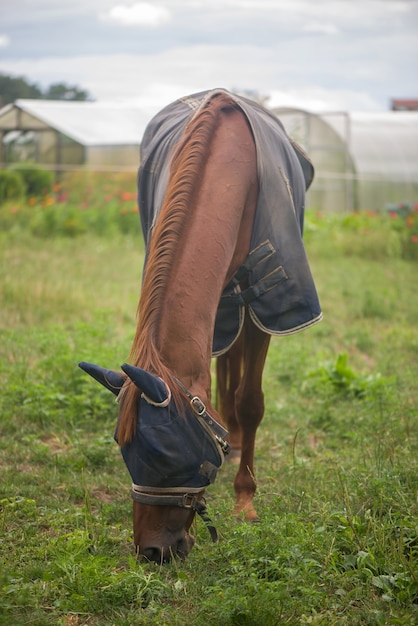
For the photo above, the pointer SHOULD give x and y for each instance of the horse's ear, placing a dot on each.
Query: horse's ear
(108, 378)
(153, 388)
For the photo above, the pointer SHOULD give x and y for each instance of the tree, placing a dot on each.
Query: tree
(61, 91)
(14, 87)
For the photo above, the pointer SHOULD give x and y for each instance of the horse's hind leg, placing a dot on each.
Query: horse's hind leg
(249, 411)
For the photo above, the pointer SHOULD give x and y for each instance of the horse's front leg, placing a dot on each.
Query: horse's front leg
(249, 407)
(228, 377)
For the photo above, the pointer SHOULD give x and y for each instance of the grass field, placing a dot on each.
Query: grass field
(337, 453)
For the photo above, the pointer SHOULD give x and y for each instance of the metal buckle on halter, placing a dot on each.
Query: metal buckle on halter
(197, 405)
(226, 448)
(199, 408)
(188, 501)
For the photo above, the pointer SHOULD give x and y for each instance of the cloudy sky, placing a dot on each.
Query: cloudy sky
(313, 54)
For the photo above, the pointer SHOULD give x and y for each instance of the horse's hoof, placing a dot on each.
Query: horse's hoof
(245, 520)
(246, 515)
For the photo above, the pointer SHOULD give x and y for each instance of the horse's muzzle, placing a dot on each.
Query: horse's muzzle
(164, 554)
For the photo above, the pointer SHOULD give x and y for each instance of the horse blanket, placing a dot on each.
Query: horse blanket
(275, 285)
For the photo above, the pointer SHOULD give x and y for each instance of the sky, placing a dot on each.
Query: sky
(318, 55)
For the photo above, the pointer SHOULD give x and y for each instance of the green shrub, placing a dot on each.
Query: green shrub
(340, 377)
(37, 180)
(12, 186)
(364, 234)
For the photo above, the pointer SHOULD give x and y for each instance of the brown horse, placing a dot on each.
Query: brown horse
(201, 187)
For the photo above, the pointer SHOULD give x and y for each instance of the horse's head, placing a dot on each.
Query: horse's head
(171, 459)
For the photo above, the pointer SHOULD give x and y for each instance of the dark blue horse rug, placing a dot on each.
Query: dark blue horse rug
(279, 293)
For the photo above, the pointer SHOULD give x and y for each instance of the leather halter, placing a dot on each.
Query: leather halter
(186, 498)
(169, 497)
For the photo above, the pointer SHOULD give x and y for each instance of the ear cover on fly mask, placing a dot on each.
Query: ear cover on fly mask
(108, 378)
(152, 386)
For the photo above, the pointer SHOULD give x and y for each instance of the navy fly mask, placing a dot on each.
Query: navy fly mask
(172, 457)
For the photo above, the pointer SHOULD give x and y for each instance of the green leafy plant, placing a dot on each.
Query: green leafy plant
(343, 379)
(12, 186)
(38, 181)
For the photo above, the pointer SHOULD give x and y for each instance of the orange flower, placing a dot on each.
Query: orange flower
(126, 195)
(48, 201)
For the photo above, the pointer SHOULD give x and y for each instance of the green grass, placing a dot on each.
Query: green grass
(337, 453)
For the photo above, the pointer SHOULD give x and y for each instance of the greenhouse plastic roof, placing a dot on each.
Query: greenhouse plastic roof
(384, 143)
(90, 123)
(381, 144)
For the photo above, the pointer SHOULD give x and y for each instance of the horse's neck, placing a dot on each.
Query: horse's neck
(214, 242)
(188, 315)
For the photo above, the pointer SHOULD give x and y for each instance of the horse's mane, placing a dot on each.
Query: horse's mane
(187, 163)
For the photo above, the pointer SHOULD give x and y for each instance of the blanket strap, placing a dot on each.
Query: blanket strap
(235, 296)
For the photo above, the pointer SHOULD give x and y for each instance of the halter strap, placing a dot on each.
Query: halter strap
(218, 431)
(172, 497)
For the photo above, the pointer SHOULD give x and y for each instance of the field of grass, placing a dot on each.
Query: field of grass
(337, 453)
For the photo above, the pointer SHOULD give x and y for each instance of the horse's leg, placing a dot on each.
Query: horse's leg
(228, 377)
(249, 410)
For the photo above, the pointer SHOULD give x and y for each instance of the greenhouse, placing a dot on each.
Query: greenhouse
(64, 134)
(362, 161)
